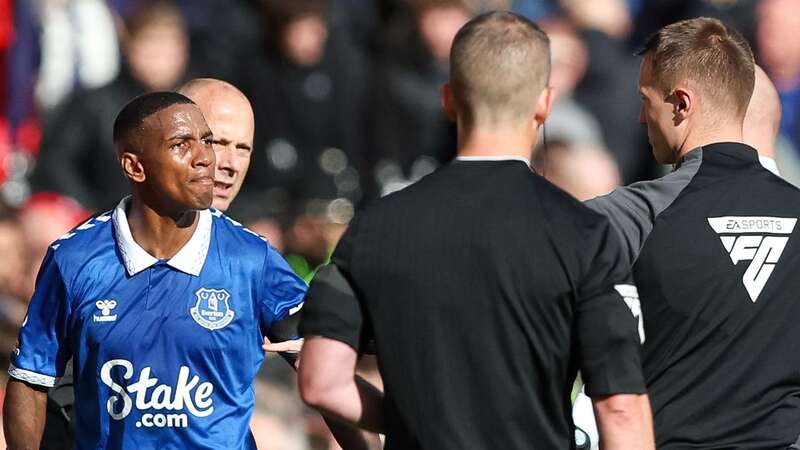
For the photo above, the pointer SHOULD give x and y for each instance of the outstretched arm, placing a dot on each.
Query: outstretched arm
(24, 415)
(329, 384)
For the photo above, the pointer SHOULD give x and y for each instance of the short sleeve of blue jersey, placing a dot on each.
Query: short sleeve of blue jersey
(282, 291)
(42, 349)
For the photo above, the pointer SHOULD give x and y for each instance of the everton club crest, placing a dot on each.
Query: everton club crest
(212, 309)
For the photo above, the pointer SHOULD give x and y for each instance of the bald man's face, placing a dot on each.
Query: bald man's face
(230, 118)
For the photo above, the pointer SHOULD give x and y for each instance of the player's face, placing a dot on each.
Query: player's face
(232, 125)
(179, 160)
(657, 114)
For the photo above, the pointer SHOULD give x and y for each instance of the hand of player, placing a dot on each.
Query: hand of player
(292, 346)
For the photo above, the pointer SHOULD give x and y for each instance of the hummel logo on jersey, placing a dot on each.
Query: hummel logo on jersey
(754, 239)
(105, 307)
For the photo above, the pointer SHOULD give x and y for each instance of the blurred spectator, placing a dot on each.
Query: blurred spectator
(608, 89)
(44, 218)
(222, 33)
(611, 17)
(535, 10)
(19, 125)
(13, 287)
(78, 48)
(314, 233)
(584, 172)
(411, 135)
(654, 14)
(77, 157)
(778, 49)
(307, 91)
(568, 120)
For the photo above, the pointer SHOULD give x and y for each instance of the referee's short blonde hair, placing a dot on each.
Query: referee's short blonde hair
(499, 65)
(707, 53)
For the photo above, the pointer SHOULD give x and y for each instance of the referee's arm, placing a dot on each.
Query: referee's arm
(332, 323)
(284, 340)
(609, 345)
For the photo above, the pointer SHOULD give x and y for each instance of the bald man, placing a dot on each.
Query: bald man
(763, 120)
(230, 117)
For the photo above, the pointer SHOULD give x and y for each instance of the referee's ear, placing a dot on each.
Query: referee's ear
(543, 105)
(131, 166)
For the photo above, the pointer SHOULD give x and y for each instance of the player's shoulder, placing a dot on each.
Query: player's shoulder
(95, 234)
(234, 235)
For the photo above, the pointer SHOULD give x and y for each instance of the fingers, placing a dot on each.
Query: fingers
(292, 346)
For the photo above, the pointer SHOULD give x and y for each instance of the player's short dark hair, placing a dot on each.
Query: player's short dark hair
(704, 51)
(499, 65)
(133, 114)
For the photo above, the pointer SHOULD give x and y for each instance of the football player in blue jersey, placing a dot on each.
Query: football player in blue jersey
(161, 303)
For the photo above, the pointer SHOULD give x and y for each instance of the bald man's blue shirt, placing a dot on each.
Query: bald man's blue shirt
(165, 351)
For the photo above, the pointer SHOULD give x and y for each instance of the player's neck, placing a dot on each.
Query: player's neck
(161, 235)
(495, 143)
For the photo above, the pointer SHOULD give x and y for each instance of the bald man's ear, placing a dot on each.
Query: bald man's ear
(132, 167)
(449, 103)
(543, 105)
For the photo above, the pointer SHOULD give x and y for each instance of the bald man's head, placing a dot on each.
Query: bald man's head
(763, 119)
(230, 117)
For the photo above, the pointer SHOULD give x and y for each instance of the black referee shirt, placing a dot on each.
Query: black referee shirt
(716, 255)
(485, 289)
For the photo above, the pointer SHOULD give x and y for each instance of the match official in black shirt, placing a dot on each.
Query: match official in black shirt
(714, 252)
(484, 288)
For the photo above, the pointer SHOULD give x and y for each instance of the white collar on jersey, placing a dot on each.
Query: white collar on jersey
(494, 158)
(189, 259)
(769, 164)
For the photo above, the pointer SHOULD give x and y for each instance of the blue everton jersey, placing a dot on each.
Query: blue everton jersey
(165, 351)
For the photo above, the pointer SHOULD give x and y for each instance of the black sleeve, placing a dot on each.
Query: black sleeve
(608, 337)
(286, 330)
(332, 308)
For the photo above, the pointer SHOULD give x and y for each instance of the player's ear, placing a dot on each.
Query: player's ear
(543, 105)
(132, 166)
(449, 103)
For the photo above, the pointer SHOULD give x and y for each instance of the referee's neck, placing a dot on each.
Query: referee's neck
(497, 142)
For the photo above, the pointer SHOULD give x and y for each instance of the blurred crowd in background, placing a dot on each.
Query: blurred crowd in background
(346, 100)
